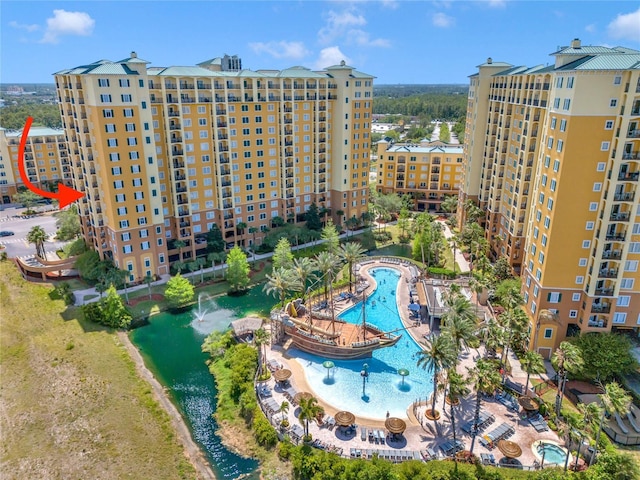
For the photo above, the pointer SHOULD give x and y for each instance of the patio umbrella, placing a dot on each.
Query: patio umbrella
(509, 449)
(344, 418)
(395, 425)
(529, 403)
(414, 307)
(282, 375)
(404, 373)
(328, 364)
(300, 395)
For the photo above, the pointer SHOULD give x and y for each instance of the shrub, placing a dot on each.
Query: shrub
(264, 433)
(382, 235)
(442, 272)
(179, 292)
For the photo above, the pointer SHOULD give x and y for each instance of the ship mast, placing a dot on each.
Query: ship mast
(364, 321)
(333, 314)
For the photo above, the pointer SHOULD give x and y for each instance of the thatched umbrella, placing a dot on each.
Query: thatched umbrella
(344, 418)
(300, 395)
(529, 403)
(395, 425)
(282, 375)
(509, 449)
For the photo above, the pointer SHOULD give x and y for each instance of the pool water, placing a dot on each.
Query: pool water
(384, 390)
(553, 454)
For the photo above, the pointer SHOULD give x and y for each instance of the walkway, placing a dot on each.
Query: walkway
(95, 296)
(463, 264)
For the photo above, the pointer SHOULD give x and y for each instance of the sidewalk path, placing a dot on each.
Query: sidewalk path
(462, 262)
(81, 294)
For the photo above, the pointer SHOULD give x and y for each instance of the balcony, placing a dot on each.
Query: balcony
(619, 217)
(631, 155)
(608, 273)
(615, 236)
(597, 323)
(628, 176)
(633, 134)
(624, 197)
(604, 292)
(612, 254)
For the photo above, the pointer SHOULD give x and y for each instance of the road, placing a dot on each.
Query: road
(17, 245)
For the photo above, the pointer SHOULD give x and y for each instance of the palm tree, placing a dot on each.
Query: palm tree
(200, 264)
(241, 227)
(261, 339)
(459, 321)
(180, 244)
(485, 380)
(284, 408)
(513, 320)
(532, 363)
(117, 277)
(566, 359)
(179, 266)
(38, 236)
(439, 354)
(351, 252)
(101, 287)
(303, 269)
(575, 432)
(457, 386)
(589, 411)
(278, 283)
(326, 263)
(192, 267)
(615, 400)
(148, 279)
(309, 409)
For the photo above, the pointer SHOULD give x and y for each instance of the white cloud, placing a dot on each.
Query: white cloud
(390, 4)
(497, 3)
(330, 56)
(24, 26)
(591, 28)
(338, 23)
(363, 39)
(442, 20)
(67, 23)
(626, 26)
(281, 49)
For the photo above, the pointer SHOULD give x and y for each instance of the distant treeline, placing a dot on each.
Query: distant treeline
(408, 90)
(13, 117)
(429, 105)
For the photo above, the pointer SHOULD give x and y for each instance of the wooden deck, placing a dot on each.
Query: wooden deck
(350, 332)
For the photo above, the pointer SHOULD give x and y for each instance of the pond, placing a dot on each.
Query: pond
(170, 346)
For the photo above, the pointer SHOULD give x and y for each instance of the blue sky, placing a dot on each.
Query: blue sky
(397, 41)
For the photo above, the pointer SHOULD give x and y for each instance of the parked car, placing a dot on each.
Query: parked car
(6, 233)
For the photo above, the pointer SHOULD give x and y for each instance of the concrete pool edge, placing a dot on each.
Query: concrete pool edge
(537, 443)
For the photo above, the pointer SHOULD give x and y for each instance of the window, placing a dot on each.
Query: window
(600, 167)
(130, 127)
(567, 103)
(573, 314)
(553, 123)
(103, 82)
(132, 141)
(617, 80)
(575, 297)
(570, 82)
(627, 283)
(590, 226)
(624, 301)
(559, 82)
(559, 146)
(548, 332)
(604, 146)
(554, 297)
(593, 206)
(105, 98)
(586, 243)
(613, 102)
(128, 112)
(124, 82)
(110, 128)
(579, 280)
(620, 317)
(597, 186)
(126, 98)
(631, 266)
(608, 125)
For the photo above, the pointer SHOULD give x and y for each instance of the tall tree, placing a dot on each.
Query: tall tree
(114, 312)
(326, 263)
(261, 340)
(27, 198)
(282, 256)
(485, 379)
(459, 321)
(438, 354)
(148, 279)
(38, 236)
(303, 269)
(240, 228)
(350, 253)
(309, 409)
(180, 244)
(237, 270)
(532, 363)
(605, 355)
(279, 283)
(215, 242)
(179, 292)
(68, 223)
(615, 400)
(457, 386)
(330, 237)
(450, 204)
(566, 359)
(312, 218)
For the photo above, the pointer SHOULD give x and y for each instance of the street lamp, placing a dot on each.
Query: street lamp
(364, 373)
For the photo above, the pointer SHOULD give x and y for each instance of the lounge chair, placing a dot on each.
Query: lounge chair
(621, 425)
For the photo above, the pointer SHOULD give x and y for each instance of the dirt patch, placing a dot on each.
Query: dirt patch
(192, 451)
(157, 297)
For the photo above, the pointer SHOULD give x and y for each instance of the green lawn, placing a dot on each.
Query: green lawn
(73, 405)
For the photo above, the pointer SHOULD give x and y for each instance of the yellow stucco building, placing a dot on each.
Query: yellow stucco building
(163, 153)
(427, 171)
(46, 160)
(551, 154)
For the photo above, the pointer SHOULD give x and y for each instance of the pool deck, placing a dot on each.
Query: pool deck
(420, 433)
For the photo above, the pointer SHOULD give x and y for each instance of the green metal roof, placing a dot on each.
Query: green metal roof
(583, 50)
(37, 132)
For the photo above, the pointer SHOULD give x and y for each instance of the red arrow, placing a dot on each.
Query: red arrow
(64, 195)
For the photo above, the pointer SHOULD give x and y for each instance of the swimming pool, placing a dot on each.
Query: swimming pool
(384, 389)
(553, 453)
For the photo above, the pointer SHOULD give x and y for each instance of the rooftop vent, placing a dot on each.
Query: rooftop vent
(489, 60)
(134, 55)
(575, 43)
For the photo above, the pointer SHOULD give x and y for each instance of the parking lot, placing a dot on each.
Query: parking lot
(16, 245)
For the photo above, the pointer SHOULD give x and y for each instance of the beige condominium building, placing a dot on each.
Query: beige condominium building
(552, 155)
(46, 160)
(163, 153)
(427, 171)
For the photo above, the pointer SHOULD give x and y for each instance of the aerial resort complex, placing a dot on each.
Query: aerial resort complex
(273, 288)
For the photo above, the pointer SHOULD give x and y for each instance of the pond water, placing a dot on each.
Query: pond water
(170, 346)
